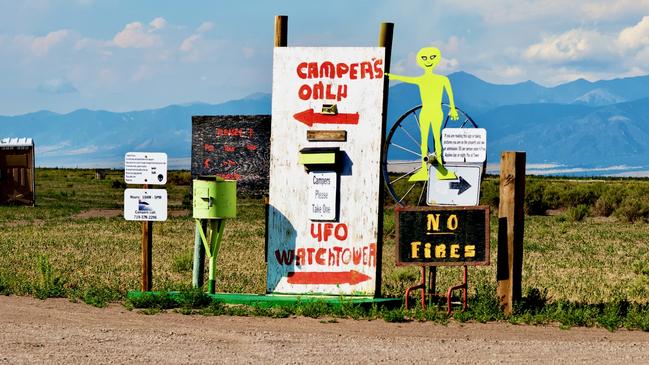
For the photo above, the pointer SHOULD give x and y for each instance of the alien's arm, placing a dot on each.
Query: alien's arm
(407, 79)
(451, 101)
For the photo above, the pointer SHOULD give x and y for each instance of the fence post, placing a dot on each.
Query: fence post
(511, 220)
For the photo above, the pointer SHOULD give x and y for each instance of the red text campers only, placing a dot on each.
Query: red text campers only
(329, 70)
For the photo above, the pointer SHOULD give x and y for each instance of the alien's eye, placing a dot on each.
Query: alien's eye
(424, 58)
(432, 57)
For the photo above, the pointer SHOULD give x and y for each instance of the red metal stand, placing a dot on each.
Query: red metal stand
(431, 292)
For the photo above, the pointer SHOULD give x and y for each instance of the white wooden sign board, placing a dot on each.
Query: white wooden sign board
(464, 144)
(465, 190)
(145, 168)
(322, 195)
(304, 255)
(145, 204)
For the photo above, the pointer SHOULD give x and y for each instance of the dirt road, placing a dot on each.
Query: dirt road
(57, 331)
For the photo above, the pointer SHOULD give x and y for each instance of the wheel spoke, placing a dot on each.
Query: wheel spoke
(410, 135)
(405, 149)
(422, 192)
(407, 192)
(414, 114)
(404, 175)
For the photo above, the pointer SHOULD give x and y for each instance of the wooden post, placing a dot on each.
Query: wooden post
(385, 40)
(511, 220)
(281, 40)
(147, 243)
(281, 30)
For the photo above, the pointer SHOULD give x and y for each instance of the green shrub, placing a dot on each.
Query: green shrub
(183, 262)
(179, 178)
(100, 297)
(117, 184)
(535, 203)
(580, 194)
(608, 202)
(578, 213)
(395, 316)
(631, 209)
(490, 193)
(51, 284)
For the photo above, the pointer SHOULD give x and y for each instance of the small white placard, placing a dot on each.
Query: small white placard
(145, 204)
(464, 144)
(323, 186)
(145, 168)
(464, 190)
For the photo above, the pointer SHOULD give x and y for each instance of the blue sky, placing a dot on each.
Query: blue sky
(130, 55)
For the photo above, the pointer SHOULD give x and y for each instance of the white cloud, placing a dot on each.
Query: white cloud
(512, 72)
(635, 36)
(606, 9)
(40, 46)
(188, 43)
(57, 86)
(135, 35)
(447, 65)
(81, 151)
(157, 24)
(142, 73)
(205, 27)
(573, 45)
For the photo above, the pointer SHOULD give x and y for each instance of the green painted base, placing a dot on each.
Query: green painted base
(271, 300)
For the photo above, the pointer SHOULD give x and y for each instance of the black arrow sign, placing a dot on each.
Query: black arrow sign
(461, 186)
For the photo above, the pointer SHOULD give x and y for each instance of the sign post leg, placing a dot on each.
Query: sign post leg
(198, 276)
(147, 240)
(216, 232)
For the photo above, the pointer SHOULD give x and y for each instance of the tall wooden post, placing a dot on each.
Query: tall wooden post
(147, 245)
(385, 40)
(510, 229)
(281, 30)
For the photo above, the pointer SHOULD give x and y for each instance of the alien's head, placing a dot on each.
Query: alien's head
(428, 57)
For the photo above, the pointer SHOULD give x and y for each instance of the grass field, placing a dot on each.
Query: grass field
(68, 245)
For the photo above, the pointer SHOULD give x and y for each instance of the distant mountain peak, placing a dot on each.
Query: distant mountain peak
(598, 97)
(257, 96)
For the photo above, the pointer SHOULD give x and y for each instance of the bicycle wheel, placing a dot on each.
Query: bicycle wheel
(402, 154)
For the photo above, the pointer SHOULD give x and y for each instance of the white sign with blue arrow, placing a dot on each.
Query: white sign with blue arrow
(465, 190)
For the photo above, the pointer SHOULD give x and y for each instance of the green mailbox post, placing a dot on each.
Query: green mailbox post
(215, 200)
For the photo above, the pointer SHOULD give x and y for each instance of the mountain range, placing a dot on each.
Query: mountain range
(580, 124)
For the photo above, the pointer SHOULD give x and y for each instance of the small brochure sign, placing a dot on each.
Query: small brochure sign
(145, 204)
(145, 168)
(322, 195)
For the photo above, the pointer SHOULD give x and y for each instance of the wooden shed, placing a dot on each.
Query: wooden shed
(17, 171)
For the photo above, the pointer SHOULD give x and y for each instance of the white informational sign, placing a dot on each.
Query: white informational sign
(464, 144)
(315, 89)
(322, 195)
(145, 168)
(145, 204)
(465, 190)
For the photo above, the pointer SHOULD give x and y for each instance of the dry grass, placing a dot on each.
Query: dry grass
(591, 261)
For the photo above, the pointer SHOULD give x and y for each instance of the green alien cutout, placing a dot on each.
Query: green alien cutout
(431, 88)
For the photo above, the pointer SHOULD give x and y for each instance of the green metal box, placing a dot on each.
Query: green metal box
(214, 198)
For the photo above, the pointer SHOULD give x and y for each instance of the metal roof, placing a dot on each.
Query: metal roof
(16, 142)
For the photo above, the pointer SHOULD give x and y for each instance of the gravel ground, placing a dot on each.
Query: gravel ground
(58, 331)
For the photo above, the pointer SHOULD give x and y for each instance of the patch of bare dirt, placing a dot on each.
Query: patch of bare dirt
(57, 331)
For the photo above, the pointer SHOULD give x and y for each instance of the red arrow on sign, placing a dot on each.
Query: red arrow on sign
(344, 277)
(309, 117)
